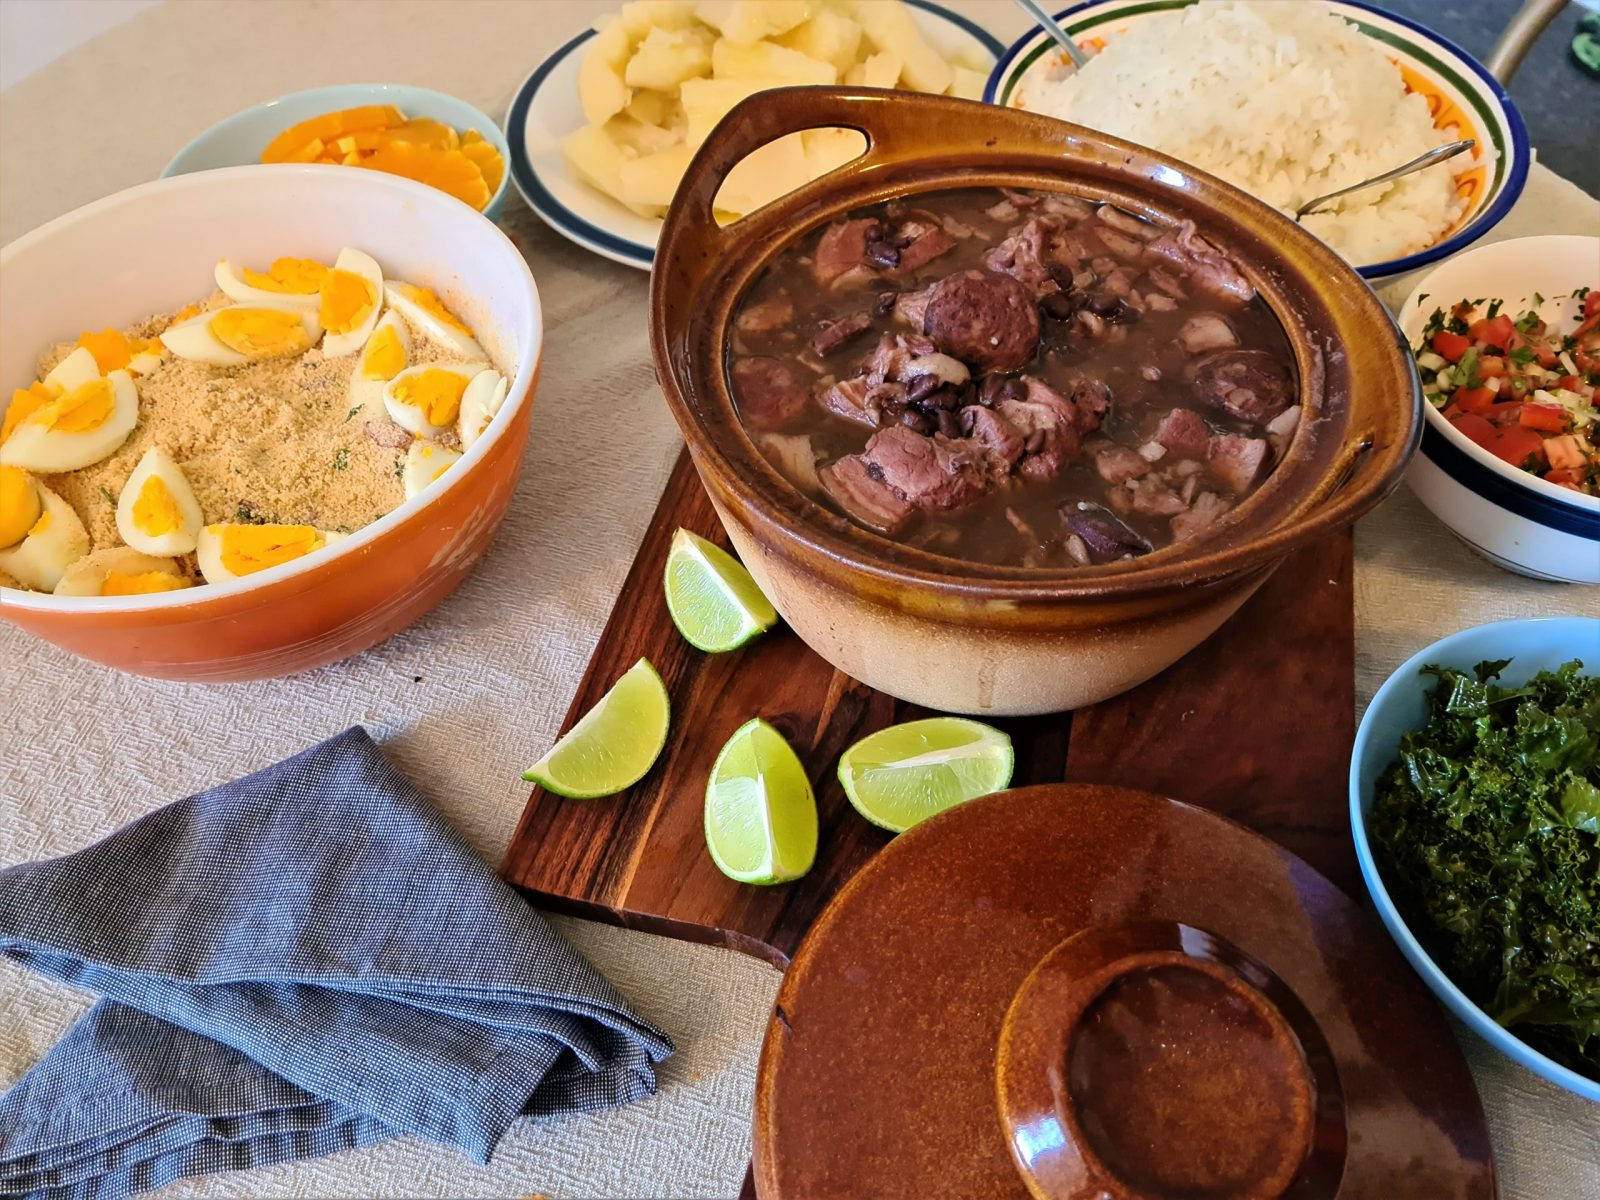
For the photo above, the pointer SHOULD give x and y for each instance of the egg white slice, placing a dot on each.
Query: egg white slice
(157, 512)
(386, 354)
(120, 571)
(196, 339)
(231, 281)
(425, 462)
(56, 541)
(479, 404)
(424, 404)
(428, 313)
(73, 371)
(347, 315)
(79, 427)
(232, 551)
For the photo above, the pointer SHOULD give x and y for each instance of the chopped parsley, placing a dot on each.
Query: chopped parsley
(1494, 309)
(354, 409)
(341, 460)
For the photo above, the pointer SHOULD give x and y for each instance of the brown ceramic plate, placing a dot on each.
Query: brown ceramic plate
(1081, 991)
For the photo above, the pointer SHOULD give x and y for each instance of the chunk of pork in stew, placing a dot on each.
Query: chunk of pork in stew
(1020, 378)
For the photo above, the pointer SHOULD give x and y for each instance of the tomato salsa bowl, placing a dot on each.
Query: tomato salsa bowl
(164, 238)
(999, 637)
(1510, 488)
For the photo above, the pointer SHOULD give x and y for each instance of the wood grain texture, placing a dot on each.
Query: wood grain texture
(1256, 724)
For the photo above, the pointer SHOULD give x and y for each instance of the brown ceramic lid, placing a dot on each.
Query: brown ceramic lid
(1077, 992)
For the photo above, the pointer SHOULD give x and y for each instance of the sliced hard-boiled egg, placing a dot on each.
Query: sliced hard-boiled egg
(24, 401)
(20, 505)
(79, 427)
(73, 371)
(352, 298)
(54, 542)
(157, 512)
(228, 551)
(479, 403)
(426, 400)
(121, 571)
(242, 333)
(425, 462)
(429, 314)
(386, 354)
(145, 355)
(287, 283)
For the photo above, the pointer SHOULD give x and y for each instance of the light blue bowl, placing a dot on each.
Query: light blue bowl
(1400, 705)
(239, 140)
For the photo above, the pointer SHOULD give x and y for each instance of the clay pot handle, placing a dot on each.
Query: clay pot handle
(762, 118)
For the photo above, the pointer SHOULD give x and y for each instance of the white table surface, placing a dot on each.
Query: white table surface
(87, 749)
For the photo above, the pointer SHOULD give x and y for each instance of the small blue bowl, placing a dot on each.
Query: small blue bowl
(239, 140)
(1400, 705)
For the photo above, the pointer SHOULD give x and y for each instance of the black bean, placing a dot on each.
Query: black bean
(1014, 389)
(923, 386)
(916, 421)
(946, 399)
(1060, 305)
(949, 425)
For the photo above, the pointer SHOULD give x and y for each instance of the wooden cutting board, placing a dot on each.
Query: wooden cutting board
(1256, 724)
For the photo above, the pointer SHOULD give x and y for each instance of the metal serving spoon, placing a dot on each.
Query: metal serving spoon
(1437, 155)
(1048, 23)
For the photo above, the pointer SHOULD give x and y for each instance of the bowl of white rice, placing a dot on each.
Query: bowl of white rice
(1289, 101)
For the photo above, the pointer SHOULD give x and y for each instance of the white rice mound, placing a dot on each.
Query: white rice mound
(1287, 101)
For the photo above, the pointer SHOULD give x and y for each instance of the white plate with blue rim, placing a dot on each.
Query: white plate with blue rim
(545, 109)
(1464, 98)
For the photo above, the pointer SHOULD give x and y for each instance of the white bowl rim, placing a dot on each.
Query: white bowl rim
(520, 394)
(491, 129)
(1523, 479)
(1517, 141)
(1433, 975)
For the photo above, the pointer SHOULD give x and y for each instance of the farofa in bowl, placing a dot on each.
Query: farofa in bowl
(292, 407)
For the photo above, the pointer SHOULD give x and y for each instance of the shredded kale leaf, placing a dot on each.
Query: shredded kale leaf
(1487, 832)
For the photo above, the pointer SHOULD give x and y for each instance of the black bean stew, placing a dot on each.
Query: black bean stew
(1014, 377)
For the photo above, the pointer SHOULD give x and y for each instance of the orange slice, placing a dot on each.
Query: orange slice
(448, 170)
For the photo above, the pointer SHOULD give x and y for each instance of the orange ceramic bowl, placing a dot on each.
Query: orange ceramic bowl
(152, 249)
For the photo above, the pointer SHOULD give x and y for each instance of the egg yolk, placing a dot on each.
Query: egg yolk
(436, 393)
(347, 300)
(120, 583)
(20, 505)
(24, 403)
(155, 508)
(184, 313)
(294, 276)
(260, 332)
(41, 524)
(385, 357)
(80, 410)
(250, 548)
(110, 349)
(430, 303)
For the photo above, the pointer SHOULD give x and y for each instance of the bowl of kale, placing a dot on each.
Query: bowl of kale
(1475, 805)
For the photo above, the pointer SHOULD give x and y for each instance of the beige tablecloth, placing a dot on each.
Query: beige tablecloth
(473, 692)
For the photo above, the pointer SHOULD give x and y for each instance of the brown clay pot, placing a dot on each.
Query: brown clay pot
(970, 637)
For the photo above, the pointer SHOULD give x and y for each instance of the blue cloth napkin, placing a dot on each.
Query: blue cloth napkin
(299, 962)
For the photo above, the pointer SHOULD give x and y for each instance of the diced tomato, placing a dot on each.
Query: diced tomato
(1450, 346)
(1567, 383)
(1568, 477)
(1550, 418)
(1563, 452)
(1515, 445)
(1508, 413)
(1474, 400)
(1493, 331)
(1591, 303)
(1473, 427)
(1490, 367)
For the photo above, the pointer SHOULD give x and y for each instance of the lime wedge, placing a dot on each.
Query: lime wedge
(614, 743)
(713, 601)
(761, 818)
(907, 773)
